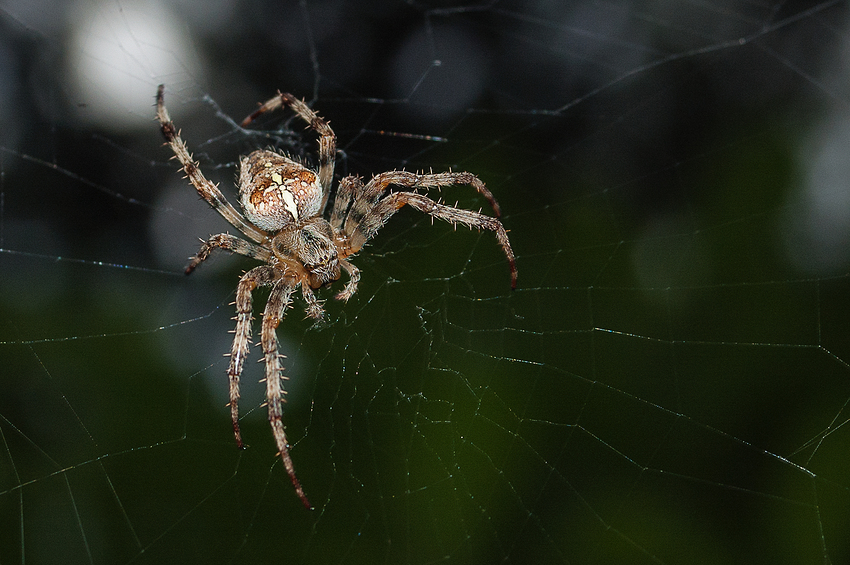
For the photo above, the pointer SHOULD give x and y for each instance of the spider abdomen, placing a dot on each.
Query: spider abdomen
(276, 191)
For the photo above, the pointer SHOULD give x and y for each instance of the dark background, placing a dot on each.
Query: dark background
(668, 383)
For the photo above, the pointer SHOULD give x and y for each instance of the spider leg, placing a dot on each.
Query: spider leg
(205, 188)
(258, 276)
(279, 300)
(384, 209)
(367, 196)
(327, 137)
(346, 192)
(228, 243)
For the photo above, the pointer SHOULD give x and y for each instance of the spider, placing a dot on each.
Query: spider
(283, 204)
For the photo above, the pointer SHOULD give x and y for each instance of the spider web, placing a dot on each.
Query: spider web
(668, 384)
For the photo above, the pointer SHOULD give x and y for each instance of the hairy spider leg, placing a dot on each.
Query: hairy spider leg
(361, 227)
(369, 195)
(229, 243)
(263, 275)
(279, 300)
(205, 188)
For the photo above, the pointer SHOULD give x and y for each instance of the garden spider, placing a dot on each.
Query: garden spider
(283, 203)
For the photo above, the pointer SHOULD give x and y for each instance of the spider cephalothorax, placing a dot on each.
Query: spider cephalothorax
(283, 204)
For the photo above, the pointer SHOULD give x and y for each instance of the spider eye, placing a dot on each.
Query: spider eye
(275, 191)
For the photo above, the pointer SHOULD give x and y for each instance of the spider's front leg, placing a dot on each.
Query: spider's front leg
(258, 276)
(279, 300)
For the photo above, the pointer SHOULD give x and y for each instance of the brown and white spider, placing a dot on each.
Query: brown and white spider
(283, 204)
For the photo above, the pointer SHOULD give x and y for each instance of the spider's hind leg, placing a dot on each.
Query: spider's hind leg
(205, 188)
(327, 137)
